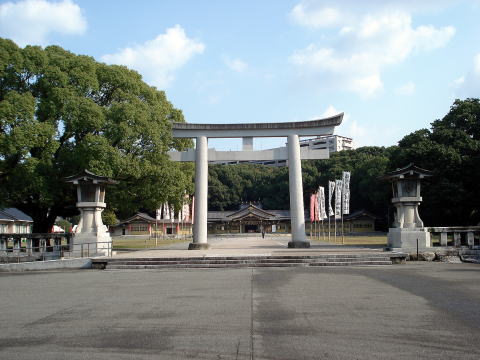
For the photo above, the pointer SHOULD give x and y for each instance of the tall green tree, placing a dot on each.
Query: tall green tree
(61, 113)
(229, 185)
(366, 165)
(451, 149)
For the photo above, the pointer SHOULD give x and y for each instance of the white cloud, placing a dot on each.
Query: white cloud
(326, 13)
(32, 21)
(304, 15)
(364, 47)
(158, 59)
(468, 85)
(236, 64)
(330, 111)
(476, 64)
(459, 81)
(360, 132)
(406, 89)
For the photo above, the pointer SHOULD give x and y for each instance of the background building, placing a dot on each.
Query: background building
(333, 143)
(14, 221)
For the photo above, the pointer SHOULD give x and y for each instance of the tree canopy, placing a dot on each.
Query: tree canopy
(61, 113)
(451, 149)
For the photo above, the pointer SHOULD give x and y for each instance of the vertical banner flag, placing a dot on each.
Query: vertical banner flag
(338, 199)
(346, 192)
(166, 211)
(317, 208)
(193, 209)
(331, 190)
(312, 207)
(321, 202)
(185, 212)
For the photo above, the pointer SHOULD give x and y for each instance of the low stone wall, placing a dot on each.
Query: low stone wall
(448, 255)
(83, 263)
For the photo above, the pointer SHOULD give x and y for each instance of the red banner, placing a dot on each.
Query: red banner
(312, 207)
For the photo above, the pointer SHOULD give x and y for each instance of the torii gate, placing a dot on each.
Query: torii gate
(292, 152)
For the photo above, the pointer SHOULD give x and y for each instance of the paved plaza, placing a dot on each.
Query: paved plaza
(249, 245)
(413, 311)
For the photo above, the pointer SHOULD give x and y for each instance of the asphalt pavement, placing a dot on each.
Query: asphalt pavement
(413, 311)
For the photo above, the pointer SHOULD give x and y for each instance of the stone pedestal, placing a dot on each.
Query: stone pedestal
(408, 227)
(406, 239)
(91, 236)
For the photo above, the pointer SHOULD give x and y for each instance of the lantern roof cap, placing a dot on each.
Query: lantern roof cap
(409, 171)
(86, 175)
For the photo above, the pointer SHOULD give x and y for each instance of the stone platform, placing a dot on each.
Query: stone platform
(248, 251)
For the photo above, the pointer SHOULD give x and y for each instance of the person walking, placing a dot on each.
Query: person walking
(263, 232)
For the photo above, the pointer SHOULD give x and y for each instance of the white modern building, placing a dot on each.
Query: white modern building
(332, 143)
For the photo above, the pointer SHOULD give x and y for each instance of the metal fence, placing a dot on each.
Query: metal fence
(40, 247)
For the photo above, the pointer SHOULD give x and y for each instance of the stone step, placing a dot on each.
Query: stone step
(242, 261)
(256, 258)
(244, 265)
(245, 261)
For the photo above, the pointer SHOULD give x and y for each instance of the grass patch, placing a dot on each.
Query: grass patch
(356, 240)
(144, 242)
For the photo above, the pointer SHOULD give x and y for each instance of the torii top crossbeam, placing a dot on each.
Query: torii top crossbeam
(317, 127)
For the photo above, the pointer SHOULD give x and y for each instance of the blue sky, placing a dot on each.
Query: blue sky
(391, 66)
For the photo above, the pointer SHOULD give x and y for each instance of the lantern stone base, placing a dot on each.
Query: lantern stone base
(92, 244)
(406, 239)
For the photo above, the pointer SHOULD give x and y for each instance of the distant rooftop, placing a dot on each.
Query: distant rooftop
(13, 214)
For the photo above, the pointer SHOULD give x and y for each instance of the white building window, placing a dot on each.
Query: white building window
(22, 228)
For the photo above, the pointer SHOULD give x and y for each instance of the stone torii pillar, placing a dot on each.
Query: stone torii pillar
(247, 131)
(297, 216)
(201, 195)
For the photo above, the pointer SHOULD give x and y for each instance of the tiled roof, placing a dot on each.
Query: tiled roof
(227, 215)
(139, 215)
(13, 214)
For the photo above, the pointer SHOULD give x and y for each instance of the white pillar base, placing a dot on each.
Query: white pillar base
(200, 246)
(298, 244)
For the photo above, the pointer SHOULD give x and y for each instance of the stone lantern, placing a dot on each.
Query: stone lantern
(91, 236)
(407, 226)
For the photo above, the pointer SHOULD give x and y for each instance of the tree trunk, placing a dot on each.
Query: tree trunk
(42, 223)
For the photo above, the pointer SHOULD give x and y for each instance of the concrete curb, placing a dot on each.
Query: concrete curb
(81, 263)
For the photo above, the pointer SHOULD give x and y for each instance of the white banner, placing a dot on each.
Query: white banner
(338, 199)
(185, 212)
(166, 211)
(321, 201)
(331, 190)
(346, 192)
